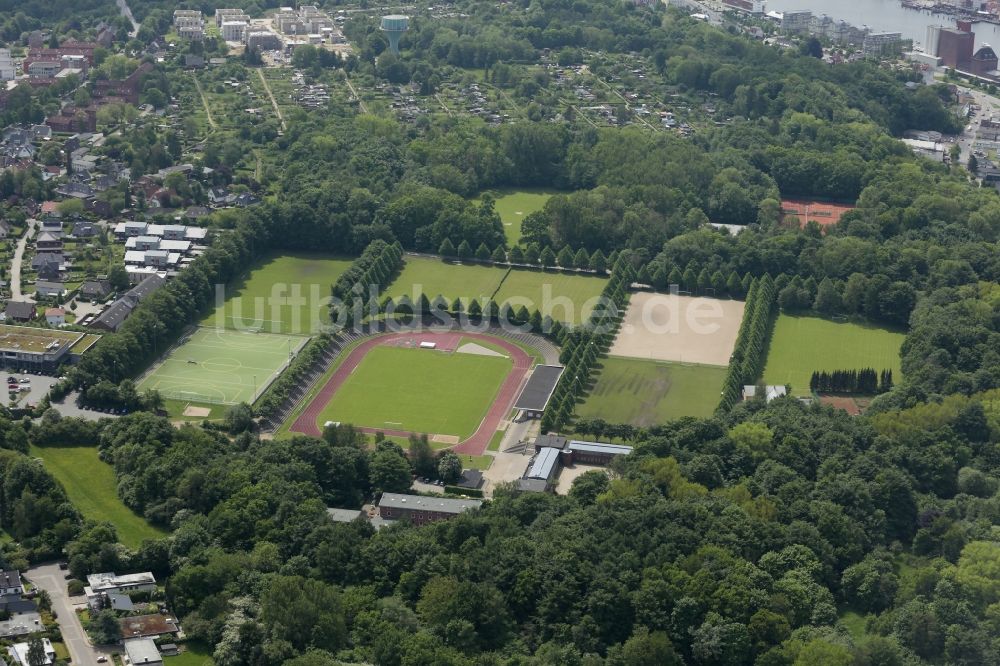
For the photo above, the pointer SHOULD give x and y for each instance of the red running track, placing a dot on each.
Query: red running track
(307, 422)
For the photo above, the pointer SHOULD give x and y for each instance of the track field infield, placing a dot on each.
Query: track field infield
(801, 345)
(645, 393)
(281, 294)
(217, 366)
(389, 384)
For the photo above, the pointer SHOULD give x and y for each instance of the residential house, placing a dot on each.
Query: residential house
(55, 317)
(10, 582)
(95, 290)
(19, 311)
(128, 88)
(48, 242)
(19, 653)
(4, 229)
(142, 652)
(196, 212)
(420, 509)
(52, 225)
(13, 604)
(147, 626)
(84, 230)
(47, 289)
(115, 315)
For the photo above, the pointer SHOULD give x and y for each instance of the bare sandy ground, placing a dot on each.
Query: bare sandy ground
(686, 329)
(478, 350)
(198, 412)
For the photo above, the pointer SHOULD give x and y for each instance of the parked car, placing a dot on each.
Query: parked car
(25, 380)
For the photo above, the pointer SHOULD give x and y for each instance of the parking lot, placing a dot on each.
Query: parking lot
(37, 386)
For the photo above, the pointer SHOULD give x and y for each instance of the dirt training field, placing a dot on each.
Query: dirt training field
(686, 329)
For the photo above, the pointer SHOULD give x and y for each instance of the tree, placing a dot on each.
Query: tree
(516, 255)
(828, 299)
(483, 252)
(450, 468)
(447, 249)
(531, 254)
(239, 418)
(36, 652)
(422, 456)
(548, 257)
(581, 260)
(565, 257)
(973, 165)
(389, 471)
(118, 278)
(498, 256)
(103, 628)
(812, 47)
(71, 207)
(598, 262)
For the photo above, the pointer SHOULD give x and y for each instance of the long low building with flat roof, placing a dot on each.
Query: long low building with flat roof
(421, 509)
(35, 348)
(552, 452)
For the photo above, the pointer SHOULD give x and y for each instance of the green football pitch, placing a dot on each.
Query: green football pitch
(219, 366)
(802, 345)
(645, 393)
(565, 297)
(418, 390)
(282, 294)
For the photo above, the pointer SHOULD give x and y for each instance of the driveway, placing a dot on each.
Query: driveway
(50, 577)
(15, 264)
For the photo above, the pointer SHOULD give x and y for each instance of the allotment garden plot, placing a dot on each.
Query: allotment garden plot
(220, 366)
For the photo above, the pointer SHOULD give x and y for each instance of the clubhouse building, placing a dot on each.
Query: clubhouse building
(553, 452)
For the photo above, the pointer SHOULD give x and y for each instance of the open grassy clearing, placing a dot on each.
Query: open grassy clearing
(564, 297)
(434, 277)
(644, 393)
(218, 366)
(801, 345)
(281, 294)
(418, 391)
(193, 653)
(90, 484)
(515, 205)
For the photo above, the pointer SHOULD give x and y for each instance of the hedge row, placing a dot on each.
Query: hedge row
(747, 361)
(582, 346)
(282, 387)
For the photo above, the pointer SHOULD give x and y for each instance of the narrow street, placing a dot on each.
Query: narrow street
(51, 578)
(127, 13)
(15, 264)
(274, 102)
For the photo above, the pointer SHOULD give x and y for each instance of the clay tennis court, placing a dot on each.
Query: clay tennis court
(685, 329)
(308, 421)
(803, 211)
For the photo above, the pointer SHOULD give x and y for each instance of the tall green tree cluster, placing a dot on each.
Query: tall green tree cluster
(747, 361)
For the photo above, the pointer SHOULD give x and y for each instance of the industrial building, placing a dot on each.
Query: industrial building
(7, 70)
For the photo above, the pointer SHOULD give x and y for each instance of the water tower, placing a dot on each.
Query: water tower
(394, 26)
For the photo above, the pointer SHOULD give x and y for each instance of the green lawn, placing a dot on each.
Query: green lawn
(193, 653)
(644, 393)
(281, 294)
(802, 345)
(561, 296)
(222, 366)
(419, 391)
(514, 205)
(91, 487)
(435, 277)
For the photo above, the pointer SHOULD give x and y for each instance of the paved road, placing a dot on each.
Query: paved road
(50, 578)
(127, 13)
(15, 264)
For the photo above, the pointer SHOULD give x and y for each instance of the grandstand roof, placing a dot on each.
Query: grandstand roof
(539, 387)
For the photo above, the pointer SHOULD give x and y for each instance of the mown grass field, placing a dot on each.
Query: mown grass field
(801, 345)
(281, 294)
(564, 297)
(193, 653)
(418, 391)
(644, 393)
(434, 277)
(515, 205)
(91, 486)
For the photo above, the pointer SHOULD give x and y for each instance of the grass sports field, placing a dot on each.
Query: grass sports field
(419, 391)
(514, 205)
(216, 366)
(434, 277)
(91, 486)
(261, 298)
(561, 296)
(802, 345)
(647, 392)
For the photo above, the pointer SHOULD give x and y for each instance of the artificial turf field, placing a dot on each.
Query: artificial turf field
(536, 289)
(418, 390)
(802, 345)
(90, 484)
(260, 299)
(514, 205)
(219, 366)
(643, 392)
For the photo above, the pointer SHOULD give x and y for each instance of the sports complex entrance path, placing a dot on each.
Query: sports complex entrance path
(476, 443)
